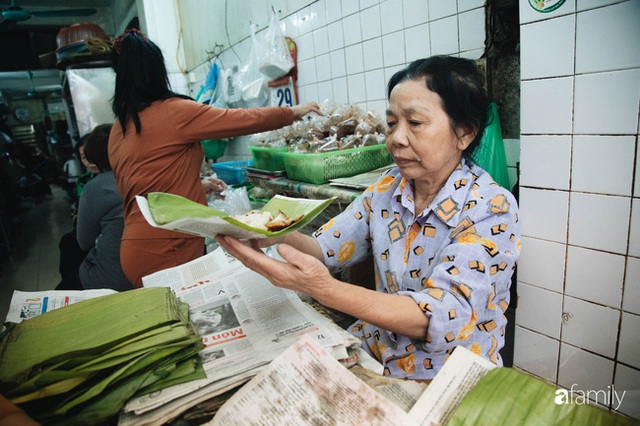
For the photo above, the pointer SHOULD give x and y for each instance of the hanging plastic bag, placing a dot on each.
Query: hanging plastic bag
(490, 153)
(275, 60)
(253, 84)
(231, 86)
(210, 84)
(217, 98)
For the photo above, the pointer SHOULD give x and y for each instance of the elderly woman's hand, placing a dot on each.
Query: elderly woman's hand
(300, 272)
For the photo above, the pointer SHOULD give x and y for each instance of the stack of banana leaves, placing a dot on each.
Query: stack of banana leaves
(78, 365)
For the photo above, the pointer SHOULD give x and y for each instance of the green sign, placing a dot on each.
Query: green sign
(546, 6)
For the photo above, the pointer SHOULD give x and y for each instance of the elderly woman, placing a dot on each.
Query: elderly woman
(444, 236)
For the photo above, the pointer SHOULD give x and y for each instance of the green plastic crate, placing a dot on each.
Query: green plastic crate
(268, 157)
(320, 168)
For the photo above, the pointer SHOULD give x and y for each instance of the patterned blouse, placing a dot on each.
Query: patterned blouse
(455, 259)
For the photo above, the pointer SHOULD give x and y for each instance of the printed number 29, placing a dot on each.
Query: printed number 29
(284, 97)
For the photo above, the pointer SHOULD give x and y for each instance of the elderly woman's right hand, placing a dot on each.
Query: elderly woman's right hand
(300, 111)
(299, 271)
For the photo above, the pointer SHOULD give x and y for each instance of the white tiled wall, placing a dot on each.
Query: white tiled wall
(348, 50)
(580, 75)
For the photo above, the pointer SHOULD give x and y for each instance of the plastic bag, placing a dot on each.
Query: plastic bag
(209, 88)
(253, 85)
(217, 99)
(490, 153)
(236, 201)
(91, 91)
(274, 58)
(230, 86)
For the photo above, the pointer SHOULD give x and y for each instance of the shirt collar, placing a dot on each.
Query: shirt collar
(449, 203)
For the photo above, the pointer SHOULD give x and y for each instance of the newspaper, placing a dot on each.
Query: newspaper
(460, 373)
(306, 386)
(244, 321)
(28, 304)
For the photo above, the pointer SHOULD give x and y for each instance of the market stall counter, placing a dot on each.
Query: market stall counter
(295, 188)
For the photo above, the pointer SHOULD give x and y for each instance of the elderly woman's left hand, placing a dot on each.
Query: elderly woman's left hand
(300, 272)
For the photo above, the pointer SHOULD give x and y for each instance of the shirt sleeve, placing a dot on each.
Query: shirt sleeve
(89, 214)
(345, 239)
(196, 121)
(468, 290)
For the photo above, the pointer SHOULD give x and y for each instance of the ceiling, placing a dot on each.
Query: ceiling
(22, 73)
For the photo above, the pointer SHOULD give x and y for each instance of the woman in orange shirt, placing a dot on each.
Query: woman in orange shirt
(154, 146)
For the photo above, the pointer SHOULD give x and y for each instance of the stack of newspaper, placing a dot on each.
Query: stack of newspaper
(244, 321)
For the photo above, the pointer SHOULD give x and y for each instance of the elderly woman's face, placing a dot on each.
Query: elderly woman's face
(420, 137)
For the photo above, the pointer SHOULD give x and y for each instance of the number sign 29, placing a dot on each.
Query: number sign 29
(283, 95)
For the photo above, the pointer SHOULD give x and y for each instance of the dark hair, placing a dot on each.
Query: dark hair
(459, 84)
(80, 143)
(141, 77)
(96, 147)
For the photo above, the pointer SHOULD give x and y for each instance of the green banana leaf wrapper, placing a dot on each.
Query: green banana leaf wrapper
(177, 213)
(508, 397)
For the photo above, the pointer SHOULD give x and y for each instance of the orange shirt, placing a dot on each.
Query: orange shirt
(166, 156)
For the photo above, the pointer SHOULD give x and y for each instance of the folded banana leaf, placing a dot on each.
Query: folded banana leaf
(173, 333)
(185, 371)
(87, 328)
(508, 397)
(168, 211)
(99, 410)
(151, 355)
(154, 360)
(122, 353)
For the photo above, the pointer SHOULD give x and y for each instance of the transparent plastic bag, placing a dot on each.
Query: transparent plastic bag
(274, 58)
(253, 84)
(236, 201)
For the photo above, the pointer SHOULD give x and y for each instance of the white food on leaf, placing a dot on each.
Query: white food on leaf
(255, 219)
(265, 220)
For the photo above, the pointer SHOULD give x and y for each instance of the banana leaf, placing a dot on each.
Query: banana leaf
(174, 333)
(98, 411)
(506, 396)
(57, 388)
(185, 371)
(156, 360)
(177, 213)
(86, 328)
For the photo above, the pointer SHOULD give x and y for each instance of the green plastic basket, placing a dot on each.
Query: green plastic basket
(320, 168)
(268, 157)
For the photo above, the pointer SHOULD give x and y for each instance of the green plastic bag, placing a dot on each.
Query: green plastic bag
(490, 153)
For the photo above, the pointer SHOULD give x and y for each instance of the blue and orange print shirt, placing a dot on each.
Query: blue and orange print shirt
(454, 259)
